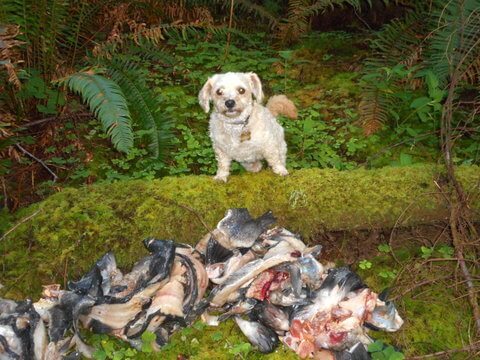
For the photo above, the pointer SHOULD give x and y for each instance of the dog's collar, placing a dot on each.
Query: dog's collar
(244, 122)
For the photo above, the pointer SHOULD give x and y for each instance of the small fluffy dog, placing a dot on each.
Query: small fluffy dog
(241, 128)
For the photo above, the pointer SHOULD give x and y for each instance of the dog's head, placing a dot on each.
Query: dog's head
(231, 93)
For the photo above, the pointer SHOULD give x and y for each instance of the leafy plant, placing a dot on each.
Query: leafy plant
(422, 44)
(388, 274)
(426, 252)
(144, 105)
(299, 13)
(365, 264)
(384, 248)
(380, 351)
(110, 348)
(240, 349)
(446, 251)
(107, 102)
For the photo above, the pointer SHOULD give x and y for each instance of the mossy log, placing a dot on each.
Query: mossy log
(76, 226)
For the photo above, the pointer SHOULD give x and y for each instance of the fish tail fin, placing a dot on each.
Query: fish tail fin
(267, 219)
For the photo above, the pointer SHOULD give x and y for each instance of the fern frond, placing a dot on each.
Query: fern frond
(259, 11)
(374, 110)
(143, 104)
(299, 13)
(107, 101)
(455, 39)
(397, 43)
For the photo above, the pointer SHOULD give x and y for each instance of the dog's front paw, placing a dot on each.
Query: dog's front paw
(221, 177)
(280, 171)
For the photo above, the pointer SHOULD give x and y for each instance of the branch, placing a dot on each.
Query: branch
(475, 346)
(55, 177)
(53, 118)
(25, 219)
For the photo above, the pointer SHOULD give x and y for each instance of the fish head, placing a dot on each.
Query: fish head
(385, 317)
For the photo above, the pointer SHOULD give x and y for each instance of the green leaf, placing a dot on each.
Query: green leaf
(405, 159)
(432, 81)
(242, 348)
(145, 105)
(217, 336)
(286, 54)
(396, 356)
(199, 325)
(377, 345)
(385, 248)
(100, 355)
(420, 102)
(147, 339)
(365, 264)
(148, 336)
(107, 101)
(426, 252)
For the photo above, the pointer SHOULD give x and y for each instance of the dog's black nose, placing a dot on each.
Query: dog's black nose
(230, 103)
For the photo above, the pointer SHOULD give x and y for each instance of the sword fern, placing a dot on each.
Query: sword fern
(107, 101)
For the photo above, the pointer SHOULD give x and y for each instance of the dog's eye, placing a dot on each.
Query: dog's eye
(241, 90)
(219, 92)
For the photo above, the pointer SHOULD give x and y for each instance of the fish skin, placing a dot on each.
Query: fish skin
(153, 268)
(216, 252)
(11, 344)
(241, 229)
(241, 307)
(191, 280)
(38, 337)
(59, 322)
(271, 316)
(163, 255)
(29, 334)
(384, 317)
(289, 298)
(96, 282)
(7, 306)
(265, 339)
(218, 297)
(344, 278)
(356, 352)
(282, 235)
(233, 264)
(311, 271)
(198, 265)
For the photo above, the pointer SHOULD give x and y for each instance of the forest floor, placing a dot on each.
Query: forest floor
(322, 76)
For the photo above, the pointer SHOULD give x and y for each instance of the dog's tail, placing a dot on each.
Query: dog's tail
(281, 105)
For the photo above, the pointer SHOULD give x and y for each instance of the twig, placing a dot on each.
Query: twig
(460, 226)
(186, 207)
(420, 284)
(22, 149)
(24, 220)
(5, 195)
(230, 22)
(361, 19)
(473, 347)
(48, 119)
(397, 222)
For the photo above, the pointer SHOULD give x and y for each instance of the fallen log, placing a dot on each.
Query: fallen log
(74, 226)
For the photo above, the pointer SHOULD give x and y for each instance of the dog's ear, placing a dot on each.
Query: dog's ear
(256, 87)
(205, 95)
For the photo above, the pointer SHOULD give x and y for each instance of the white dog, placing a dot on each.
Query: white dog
(241, 128)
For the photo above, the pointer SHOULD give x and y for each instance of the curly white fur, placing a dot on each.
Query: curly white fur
(246, 132)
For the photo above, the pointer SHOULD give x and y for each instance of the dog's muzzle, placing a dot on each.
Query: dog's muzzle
(230, 104)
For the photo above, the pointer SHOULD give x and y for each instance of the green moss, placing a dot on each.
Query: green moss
(436, 316)
(76, 226)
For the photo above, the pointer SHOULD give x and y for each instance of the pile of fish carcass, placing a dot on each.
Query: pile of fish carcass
(267, 280)
(275, 288)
